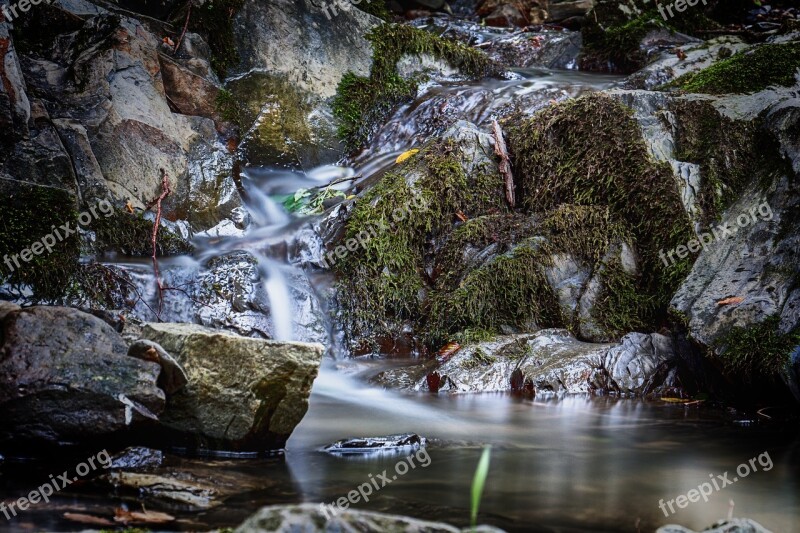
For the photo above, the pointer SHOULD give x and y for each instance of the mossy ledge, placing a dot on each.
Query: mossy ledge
(562, 157)
(758, 351)
(746, 72)
(362, 104)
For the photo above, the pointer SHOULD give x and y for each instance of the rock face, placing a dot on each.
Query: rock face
(736, 525)
(298, 40)
(551, 361)
(310, 518)
(243, 394)
(65, 378)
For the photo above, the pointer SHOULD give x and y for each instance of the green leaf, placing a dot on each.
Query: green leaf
(478, 482)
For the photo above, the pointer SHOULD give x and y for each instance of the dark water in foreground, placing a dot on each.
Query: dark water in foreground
(570, 464)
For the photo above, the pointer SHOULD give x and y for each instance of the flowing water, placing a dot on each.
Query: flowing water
(568, 464)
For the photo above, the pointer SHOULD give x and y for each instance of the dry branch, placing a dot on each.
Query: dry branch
(505, 164)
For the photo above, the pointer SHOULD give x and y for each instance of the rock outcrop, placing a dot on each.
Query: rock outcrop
(242, 394)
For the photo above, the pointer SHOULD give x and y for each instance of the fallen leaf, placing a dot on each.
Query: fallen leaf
(681, 54)
(141, 517)
(168, 41)
(461, 216)
(735, 300)
(406, 155)
(88, 519)
(129, 207)
(675, 400)
(448, 350)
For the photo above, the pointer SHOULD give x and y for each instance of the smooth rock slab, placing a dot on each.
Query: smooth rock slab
(243, 393)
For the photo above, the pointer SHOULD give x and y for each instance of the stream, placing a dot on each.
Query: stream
(557, 464)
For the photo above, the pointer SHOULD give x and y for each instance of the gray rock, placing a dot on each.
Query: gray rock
(296, 39)
(65, 378)
(736, 525)
(550, 361)
(310, 518)
(136, 458)
(243, 393)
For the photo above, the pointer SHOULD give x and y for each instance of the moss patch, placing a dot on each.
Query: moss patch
(746, 72)
(376, 8)
(477, 359)
(29, 214)
(131, 234)
(361, 104)
(561, 156)
(757, 351)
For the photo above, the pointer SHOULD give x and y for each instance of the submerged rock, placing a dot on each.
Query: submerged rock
(65, 378)
(366, 445)
(315, 518)
(243, 393)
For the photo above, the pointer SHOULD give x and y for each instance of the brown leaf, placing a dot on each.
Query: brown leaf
(129, 207)
(461, 216)
(88, 519)
(168, 42)
(141, 517)
(448, 350)
(734, 300)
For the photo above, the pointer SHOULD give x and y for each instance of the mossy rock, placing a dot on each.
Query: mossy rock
(731, 153)
(746, 72)
(561, 156)
(383, 283)
(362, 104)
(131, 234)
(32, 212)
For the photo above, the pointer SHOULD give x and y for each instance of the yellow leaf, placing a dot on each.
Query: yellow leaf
(406, 155)
(735, 300)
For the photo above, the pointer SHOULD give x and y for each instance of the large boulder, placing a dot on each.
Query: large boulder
(65, 378)
(243, 393)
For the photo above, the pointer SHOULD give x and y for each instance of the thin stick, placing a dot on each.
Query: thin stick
(505, 163)
(165, 191)
(185, 25)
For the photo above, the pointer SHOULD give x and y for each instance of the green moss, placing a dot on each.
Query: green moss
(29, 214)
(213, 19)
(361, 104)
(478, 358)
(562, 157)
(131, 234)
(757, 351)
(382, 283)
(228, 107)
(511, 290)
(473, 336)
(376, 8)
(746, 72)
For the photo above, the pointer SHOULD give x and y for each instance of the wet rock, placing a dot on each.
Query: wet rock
(6, 308)
(172, 377)
(67, 379)
(137, 458)
(296, 39)
(735, 525)
(309, 517)
(550, 361)
(243, 393)
(560, 10)
(368, 445)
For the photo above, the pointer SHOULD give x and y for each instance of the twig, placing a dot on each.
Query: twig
(165, 191)
(185, 26)
(505, 164)
(763, 414)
